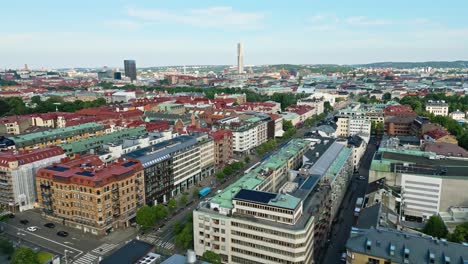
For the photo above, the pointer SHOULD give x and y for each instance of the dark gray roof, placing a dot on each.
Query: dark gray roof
(418, 247)
(369, 217)
(128, 254)
(161, 151)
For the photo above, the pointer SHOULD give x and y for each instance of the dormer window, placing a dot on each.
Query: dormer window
(407, 252)
(368, 245)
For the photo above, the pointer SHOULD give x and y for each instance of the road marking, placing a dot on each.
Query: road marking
(104, 248)
(86, 259)
(45, 238)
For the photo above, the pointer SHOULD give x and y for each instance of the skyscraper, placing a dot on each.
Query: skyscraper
(240, 58)
(130, 69)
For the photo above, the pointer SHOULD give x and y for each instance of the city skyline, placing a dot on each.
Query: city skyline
(86, 34)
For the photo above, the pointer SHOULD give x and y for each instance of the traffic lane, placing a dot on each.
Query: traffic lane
(48, 243)
(75, 238)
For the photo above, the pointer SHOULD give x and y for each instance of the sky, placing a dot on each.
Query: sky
(89, 33)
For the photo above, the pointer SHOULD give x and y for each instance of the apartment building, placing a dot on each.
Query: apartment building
(316, 103)
(398, 125)
(14, 125)
(250, 222)
(89, 195)
(350, 126)
(17, 170)
(57, 136)
(370, 113)
(94, 144)
(427, 183)
(437, 108)
(248, 130)
(457, 115)
(170, 167)
(223, 149)
(391, 246)
(207, 159)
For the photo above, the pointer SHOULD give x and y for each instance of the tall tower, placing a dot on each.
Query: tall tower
(240, 58)
(130, 69)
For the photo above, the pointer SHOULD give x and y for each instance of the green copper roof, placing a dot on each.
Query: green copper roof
(59, 133)
(84, 145)
(256, 176)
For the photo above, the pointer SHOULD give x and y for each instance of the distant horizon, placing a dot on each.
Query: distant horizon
(229, 65)
(89, 34)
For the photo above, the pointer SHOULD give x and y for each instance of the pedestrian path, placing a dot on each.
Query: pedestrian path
(164, 244)
(104, 248)
(88, 258)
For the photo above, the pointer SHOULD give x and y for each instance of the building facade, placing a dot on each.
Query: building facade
(437, 108)
(223, 148)
(130, 69)
(17, 170)
(89, 195)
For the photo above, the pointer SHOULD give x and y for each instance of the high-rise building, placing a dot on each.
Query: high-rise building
(240, 58)
(130, 69)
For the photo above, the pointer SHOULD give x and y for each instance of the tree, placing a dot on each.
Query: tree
(287, 125)
(6, 247)
(178, 227)
(460, 234)
(183, 200)
(387, 96)
(211, 257)
(247, 159)
(195, 192)
(160, 211)
(220, 175)
(327, 107)
(172, 205)
(24, 255)
(184, 238)
(145, 216)
(435, 227)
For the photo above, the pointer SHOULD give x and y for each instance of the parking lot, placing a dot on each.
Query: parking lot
(76, 243)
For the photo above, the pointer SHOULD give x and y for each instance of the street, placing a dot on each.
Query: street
(342, 228)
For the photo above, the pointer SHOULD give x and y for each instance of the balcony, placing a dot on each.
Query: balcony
(46, 202)
(43, 186)
(48, 195)
(115, 190)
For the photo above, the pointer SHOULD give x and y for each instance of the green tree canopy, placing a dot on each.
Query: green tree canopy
(6, 247)
(24, 255)
(172, 204)
(183, 200)
(145, 216)
(211, 257)
(160, 211)
(435, 227)
(460, 234)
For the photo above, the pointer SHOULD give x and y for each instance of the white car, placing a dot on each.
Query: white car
(32, 228)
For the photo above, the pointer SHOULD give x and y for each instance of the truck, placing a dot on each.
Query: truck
(204, 192)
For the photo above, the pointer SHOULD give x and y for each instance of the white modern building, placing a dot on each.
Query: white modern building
(437, 108)
(350, 126)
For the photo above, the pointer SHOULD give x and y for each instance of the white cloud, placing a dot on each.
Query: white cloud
(211, 17)
(124, 24)
(366, 21)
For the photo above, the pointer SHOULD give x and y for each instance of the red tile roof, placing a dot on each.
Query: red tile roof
(25, 157)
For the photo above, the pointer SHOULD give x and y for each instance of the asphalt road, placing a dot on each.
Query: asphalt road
(342, 228)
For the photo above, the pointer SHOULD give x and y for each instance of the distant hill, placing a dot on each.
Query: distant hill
(402, 65)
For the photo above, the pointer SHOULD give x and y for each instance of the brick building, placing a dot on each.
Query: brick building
(87, 194)
(223, 150)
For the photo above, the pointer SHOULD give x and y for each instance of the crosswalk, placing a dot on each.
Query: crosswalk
(164, 244)
(88, 258)
(104, 248)
(155, 240)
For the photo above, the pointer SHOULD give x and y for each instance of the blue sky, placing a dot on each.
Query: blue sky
(160, 32)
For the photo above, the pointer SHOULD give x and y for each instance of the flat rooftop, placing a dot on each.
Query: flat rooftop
(266, 198)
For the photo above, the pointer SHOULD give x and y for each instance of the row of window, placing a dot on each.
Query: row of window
(268, 249)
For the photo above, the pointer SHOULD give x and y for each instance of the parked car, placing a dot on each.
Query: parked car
(11, 215)
(343, 257)
(50, 225)
(32, 228)
(361, 177)
(62, 233)
(24, 222)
